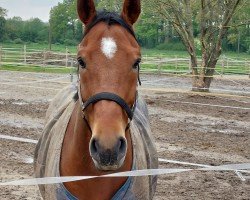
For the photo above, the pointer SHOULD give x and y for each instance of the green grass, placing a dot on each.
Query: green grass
(236, 56)
(184, 54)
(36, 46)
(185, 69)
(163, 53)
(37, 69)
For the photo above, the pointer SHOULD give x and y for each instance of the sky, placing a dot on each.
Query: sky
(27, 9)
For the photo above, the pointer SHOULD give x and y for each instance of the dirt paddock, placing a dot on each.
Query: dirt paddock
(213, 134)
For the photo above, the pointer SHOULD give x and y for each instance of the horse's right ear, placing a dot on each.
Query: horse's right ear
(131, 11)
(86, 10)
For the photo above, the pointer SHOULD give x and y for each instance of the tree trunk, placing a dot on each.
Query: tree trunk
(201, 84)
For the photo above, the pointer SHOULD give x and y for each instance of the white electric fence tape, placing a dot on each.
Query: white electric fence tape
(32, 82)
(182, 163)
(202, 104)
(6, 137)
(147, 172)
(242, 178)
(237, 168)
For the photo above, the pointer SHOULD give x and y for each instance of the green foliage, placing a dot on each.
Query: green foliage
(3, 12)
(70, 42)
(64, 22)
(147, 31)
(13, 28)
(173, 46)
(111, 5)
(2, 26)
(2, 22)
(34, 30)
(18, 41)
(238, 38)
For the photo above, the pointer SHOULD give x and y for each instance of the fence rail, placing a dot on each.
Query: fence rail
(33, 57)
(225, 65)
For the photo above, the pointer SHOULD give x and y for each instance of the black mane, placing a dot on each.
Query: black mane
(110, 18)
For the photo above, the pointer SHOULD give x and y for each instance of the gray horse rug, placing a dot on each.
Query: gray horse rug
(48, 150)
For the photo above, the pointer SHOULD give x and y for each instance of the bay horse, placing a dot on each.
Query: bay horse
(100, 125)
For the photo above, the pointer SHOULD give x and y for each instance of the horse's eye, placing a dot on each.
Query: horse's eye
(137, 64)
(81, 62)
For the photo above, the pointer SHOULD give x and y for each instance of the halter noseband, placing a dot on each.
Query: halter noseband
(109, 97)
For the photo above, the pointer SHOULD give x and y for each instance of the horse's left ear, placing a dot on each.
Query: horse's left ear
(131, 11)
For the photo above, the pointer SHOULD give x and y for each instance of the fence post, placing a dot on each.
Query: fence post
(44, 57)
(1, 56)
(176, 64)
(159, 68)
(66, 63)
(190, 66)
(71, 71)
(24, 54)
(223, 65)
(248, 69)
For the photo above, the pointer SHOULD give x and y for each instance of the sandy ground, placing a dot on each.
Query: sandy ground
(191, 133)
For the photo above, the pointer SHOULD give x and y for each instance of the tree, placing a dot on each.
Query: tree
(111, 5)
(13, 28)
(2, 22)
(34, 30)
(3, 12)
(238, 38)
(213, 18)
(147, 30)
(64, 22)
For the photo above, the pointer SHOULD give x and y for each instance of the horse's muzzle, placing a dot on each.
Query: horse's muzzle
(108, 159)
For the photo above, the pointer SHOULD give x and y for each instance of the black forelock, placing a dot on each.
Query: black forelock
(110, 18)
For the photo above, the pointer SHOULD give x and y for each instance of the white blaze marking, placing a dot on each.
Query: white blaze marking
(108, 47)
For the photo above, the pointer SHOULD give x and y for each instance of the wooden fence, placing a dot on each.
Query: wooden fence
(33, 57)
(225, 65)
(158, 64)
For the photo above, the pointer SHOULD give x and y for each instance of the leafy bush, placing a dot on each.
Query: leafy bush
(70, 42)
(18, 41)
(173, 46)
(7, 40)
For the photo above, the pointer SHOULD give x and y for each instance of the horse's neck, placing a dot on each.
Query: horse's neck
(76, 161)
(76, 144)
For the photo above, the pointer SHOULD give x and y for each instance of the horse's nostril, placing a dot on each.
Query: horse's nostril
(122, 145)
(94, 146)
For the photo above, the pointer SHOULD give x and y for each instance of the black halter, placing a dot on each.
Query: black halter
(109, 97)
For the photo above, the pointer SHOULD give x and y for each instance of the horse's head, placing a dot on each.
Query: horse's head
(109, 57)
